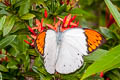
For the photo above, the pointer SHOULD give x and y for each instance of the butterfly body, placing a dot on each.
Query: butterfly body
(63, 51)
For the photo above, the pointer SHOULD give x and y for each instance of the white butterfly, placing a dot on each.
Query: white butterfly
(63, 51)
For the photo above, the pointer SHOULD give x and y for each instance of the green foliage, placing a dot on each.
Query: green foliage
(113, 11)
(108, 60)
(2, 21)
(6, 41)
(20, 61)
(8, 25)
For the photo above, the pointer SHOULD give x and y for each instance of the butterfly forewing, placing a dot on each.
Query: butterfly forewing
(50, 48)
(94, 39)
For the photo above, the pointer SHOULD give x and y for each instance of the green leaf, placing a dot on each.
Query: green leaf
(106, 32)
(32, 52)
(18, 26)
(20, 40)
(104, 63)
(61, 9)
(80, 12)
(113, 67)
(14, 50)
(27, 62)
(6, 41)
(39, 70)
(24, 8)
(13, 2)
(12, 65)
(96, 55)
(113, 11)
(8, 25)
(28, 16)
(3, 68)
(2, 21)
(0, 76)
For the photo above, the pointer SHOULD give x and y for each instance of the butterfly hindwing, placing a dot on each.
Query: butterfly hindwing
(73, 47)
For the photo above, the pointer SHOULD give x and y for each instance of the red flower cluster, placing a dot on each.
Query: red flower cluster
(39, 27)
(66, 24)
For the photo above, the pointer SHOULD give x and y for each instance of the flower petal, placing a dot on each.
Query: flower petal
(57, 24)
(27, 42)
(45, 14)
(111, 21)
(67, 20)
(101, 74)
(31, 30)
(50, 26)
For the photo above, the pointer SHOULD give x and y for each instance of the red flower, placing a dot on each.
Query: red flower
(101, 74)
(68, 2)
(55, 26)
(31, 30)
(67, 22)
(39, 25)
(109, 18)
(45, 14)
(32, 37)
(111, 21)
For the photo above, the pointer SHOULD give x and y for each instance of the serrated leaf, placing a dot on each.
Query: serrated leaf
(28, 16)
(6, 41)
(3, 68)
(105, 62)
(2, 21)
(115, 13)
(8, 25)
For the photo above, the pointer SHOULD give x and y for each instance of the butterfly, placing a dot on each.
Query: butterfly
(63, 51)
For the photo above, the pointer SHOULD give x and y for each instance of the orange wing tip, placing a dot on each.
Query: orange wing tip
(94, 39)
(40, 43)
(90, 49)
